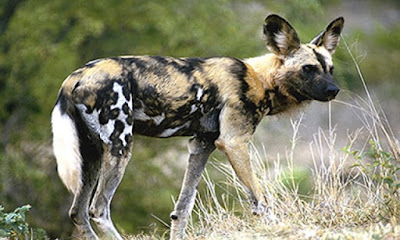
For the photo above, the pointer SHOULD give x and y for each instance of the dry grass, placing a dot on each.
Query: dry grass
(353, 187)
(343, 204)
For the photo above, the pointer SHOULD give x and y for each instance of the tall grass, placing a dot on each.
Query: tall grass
(346, 201)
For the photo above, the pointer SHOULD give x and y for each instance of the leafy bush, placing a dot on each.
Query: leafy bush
(14, 226)
(383, 168)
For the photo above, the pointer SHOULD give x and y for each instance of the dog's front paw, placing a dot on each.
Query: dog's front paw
(261, 209)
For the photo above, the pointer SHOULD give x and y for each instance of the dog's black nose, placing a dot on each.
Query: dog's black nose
(332, 90)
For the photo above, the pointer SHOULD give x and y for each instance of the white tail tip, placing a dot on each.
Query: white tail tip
(66, 150)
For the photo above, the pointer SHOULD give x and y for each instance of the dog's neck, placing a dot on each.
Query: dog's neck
(265, 67)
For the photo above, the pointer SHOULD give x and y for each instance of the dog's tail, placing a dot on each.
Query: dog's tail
(66, 143)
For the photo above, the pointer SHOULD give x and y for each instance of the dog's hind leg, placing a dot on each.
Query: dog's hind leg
(114, 124)
(90, 150)
(200, 150)
(112, 171)
(79, 211)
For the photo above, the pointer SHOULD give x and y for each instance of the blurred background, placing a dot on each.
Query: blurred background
(42, 42)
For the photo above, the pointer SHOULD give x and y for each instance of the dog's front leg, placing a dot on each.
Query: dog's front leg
(200, 150)
(236, 130)
(236, 150)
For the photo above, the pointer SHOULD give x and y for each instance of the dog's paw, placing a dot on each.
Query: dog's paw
(260, 209)
(265, 212)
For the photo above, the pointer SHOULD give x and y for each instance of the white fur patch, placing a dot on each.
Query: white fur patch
(331, 41)
(327, 56)
(171, 131)
(158, 119)
(66, 150)
(281, 40)
(199, 94)
(193, 109)
(121, 101)
(105, 131)
(140, 115)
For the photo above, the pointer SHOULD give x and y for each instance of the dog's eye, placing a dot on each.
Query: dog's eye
(309, 68)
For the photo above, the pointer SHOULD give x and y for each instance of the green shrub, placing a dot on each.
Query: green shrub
(14, 226)
(383, 167)
(383, 170)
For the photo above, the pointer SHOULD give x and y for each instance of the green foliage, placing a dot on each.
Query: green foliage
(382, 167)
(386, 48)
(13, 225)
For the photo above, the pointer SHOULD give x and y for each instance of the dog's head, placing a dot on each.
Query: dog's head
(307, 69)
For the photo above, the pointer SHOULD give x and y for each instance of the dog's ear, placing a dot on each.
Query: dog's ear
(331, 36)
(280, 36)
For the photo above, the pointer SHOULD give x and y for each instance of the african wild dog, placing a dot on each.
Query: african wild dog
(218, 101)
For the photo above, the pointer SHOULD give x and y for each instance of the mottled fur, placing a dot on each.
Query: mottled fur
(218, 101)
